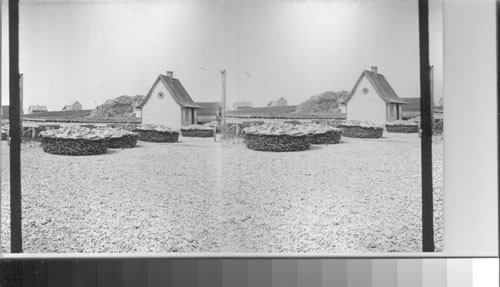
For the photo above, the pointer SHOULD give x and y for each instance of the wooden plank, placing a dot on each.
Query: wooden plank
(84, 273)
(35, 273)
(11, 273)
(59, 273)
(159, 272)
(109, 273)
(134, 272)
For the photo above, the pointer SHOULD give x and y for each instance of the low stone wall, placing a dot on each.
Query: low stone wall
(402, 128)
(326, 138)
(197, 133)
(62, 146)
(156, 136)
(277, 143)
(127, 141)
(362, 132)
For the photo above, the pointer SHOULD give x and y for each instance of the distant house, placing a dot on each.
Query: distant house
(373, 99)
(280, 102)
(209, 111)
(37, 109)
(168, 103)
(76, 106)
(242, 105)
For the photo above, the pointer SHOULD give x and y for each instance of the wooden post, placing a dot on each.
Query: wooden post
(215, 133)
(426, 126)
(15, 130)
(223, 75)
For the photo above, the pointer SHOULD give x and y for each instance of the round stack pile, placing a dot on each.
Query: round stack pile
(157, 133)
(73, 141)
(402, 127)
(361, 129)
(119, 138)
(277, 137)
(322, 133)
(200, 131)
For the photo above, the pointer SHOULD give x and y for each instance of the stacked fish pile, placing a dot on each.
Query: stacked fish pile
(322, 133)
(361, 129)
(74, 141)
(201, 131)
(119, 138)
(277, 137)
(402, 127)
(156, 133)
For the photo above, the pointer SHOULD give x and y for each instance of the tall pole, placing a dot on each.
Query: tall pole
(15, 129)
(223, 75)
(426, 127)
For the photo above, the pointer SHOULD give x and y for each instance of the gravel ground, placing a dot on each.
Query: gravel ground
(361, 195)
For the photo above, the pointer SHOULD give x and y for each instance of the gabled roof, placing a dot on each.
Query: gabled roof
(174, 86)
(208, 108)
(382, 87)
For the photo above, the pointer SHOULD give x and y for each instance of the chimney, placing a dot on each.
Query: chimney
(374, 69)
(170, 74)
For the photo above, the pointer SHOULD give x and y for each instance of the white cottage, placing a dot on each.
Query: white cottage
(168, 103)
(373, 99)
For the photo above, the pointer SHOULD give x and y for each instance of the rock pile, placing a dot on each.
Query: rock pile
(201, 131)
(361, 129)
(156, 133)
(119, 138)
(401, 126)
(74, 141)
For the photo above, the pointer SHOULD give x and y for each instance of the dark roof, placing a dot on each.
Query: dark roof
(208, 108)
(174, 86)
(378, 81)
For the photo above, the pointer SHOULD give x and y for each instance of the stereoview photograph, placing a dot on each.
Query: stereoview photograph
(222, 127)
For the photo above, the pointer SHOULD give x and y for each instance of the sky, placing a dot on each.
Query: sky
(91, 51)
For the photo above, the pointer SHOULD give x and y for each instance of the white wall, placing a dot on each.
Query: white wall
(369, 107)
(161, 111)
(470, 142)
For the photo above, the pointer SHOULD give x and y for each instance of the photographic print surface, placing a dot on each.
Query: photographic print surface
(288, 127)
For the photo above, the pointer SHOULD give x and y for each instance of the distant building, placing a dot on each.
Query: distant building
(37, 109)
(76, 106)
(210, 111)
(168, 103)
(373, 99)
(242, 105)
(280, 102)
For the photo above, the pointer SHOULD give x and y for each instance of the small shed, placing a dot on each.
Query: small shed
(168, 103)
(37, 109)
(373, 99)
